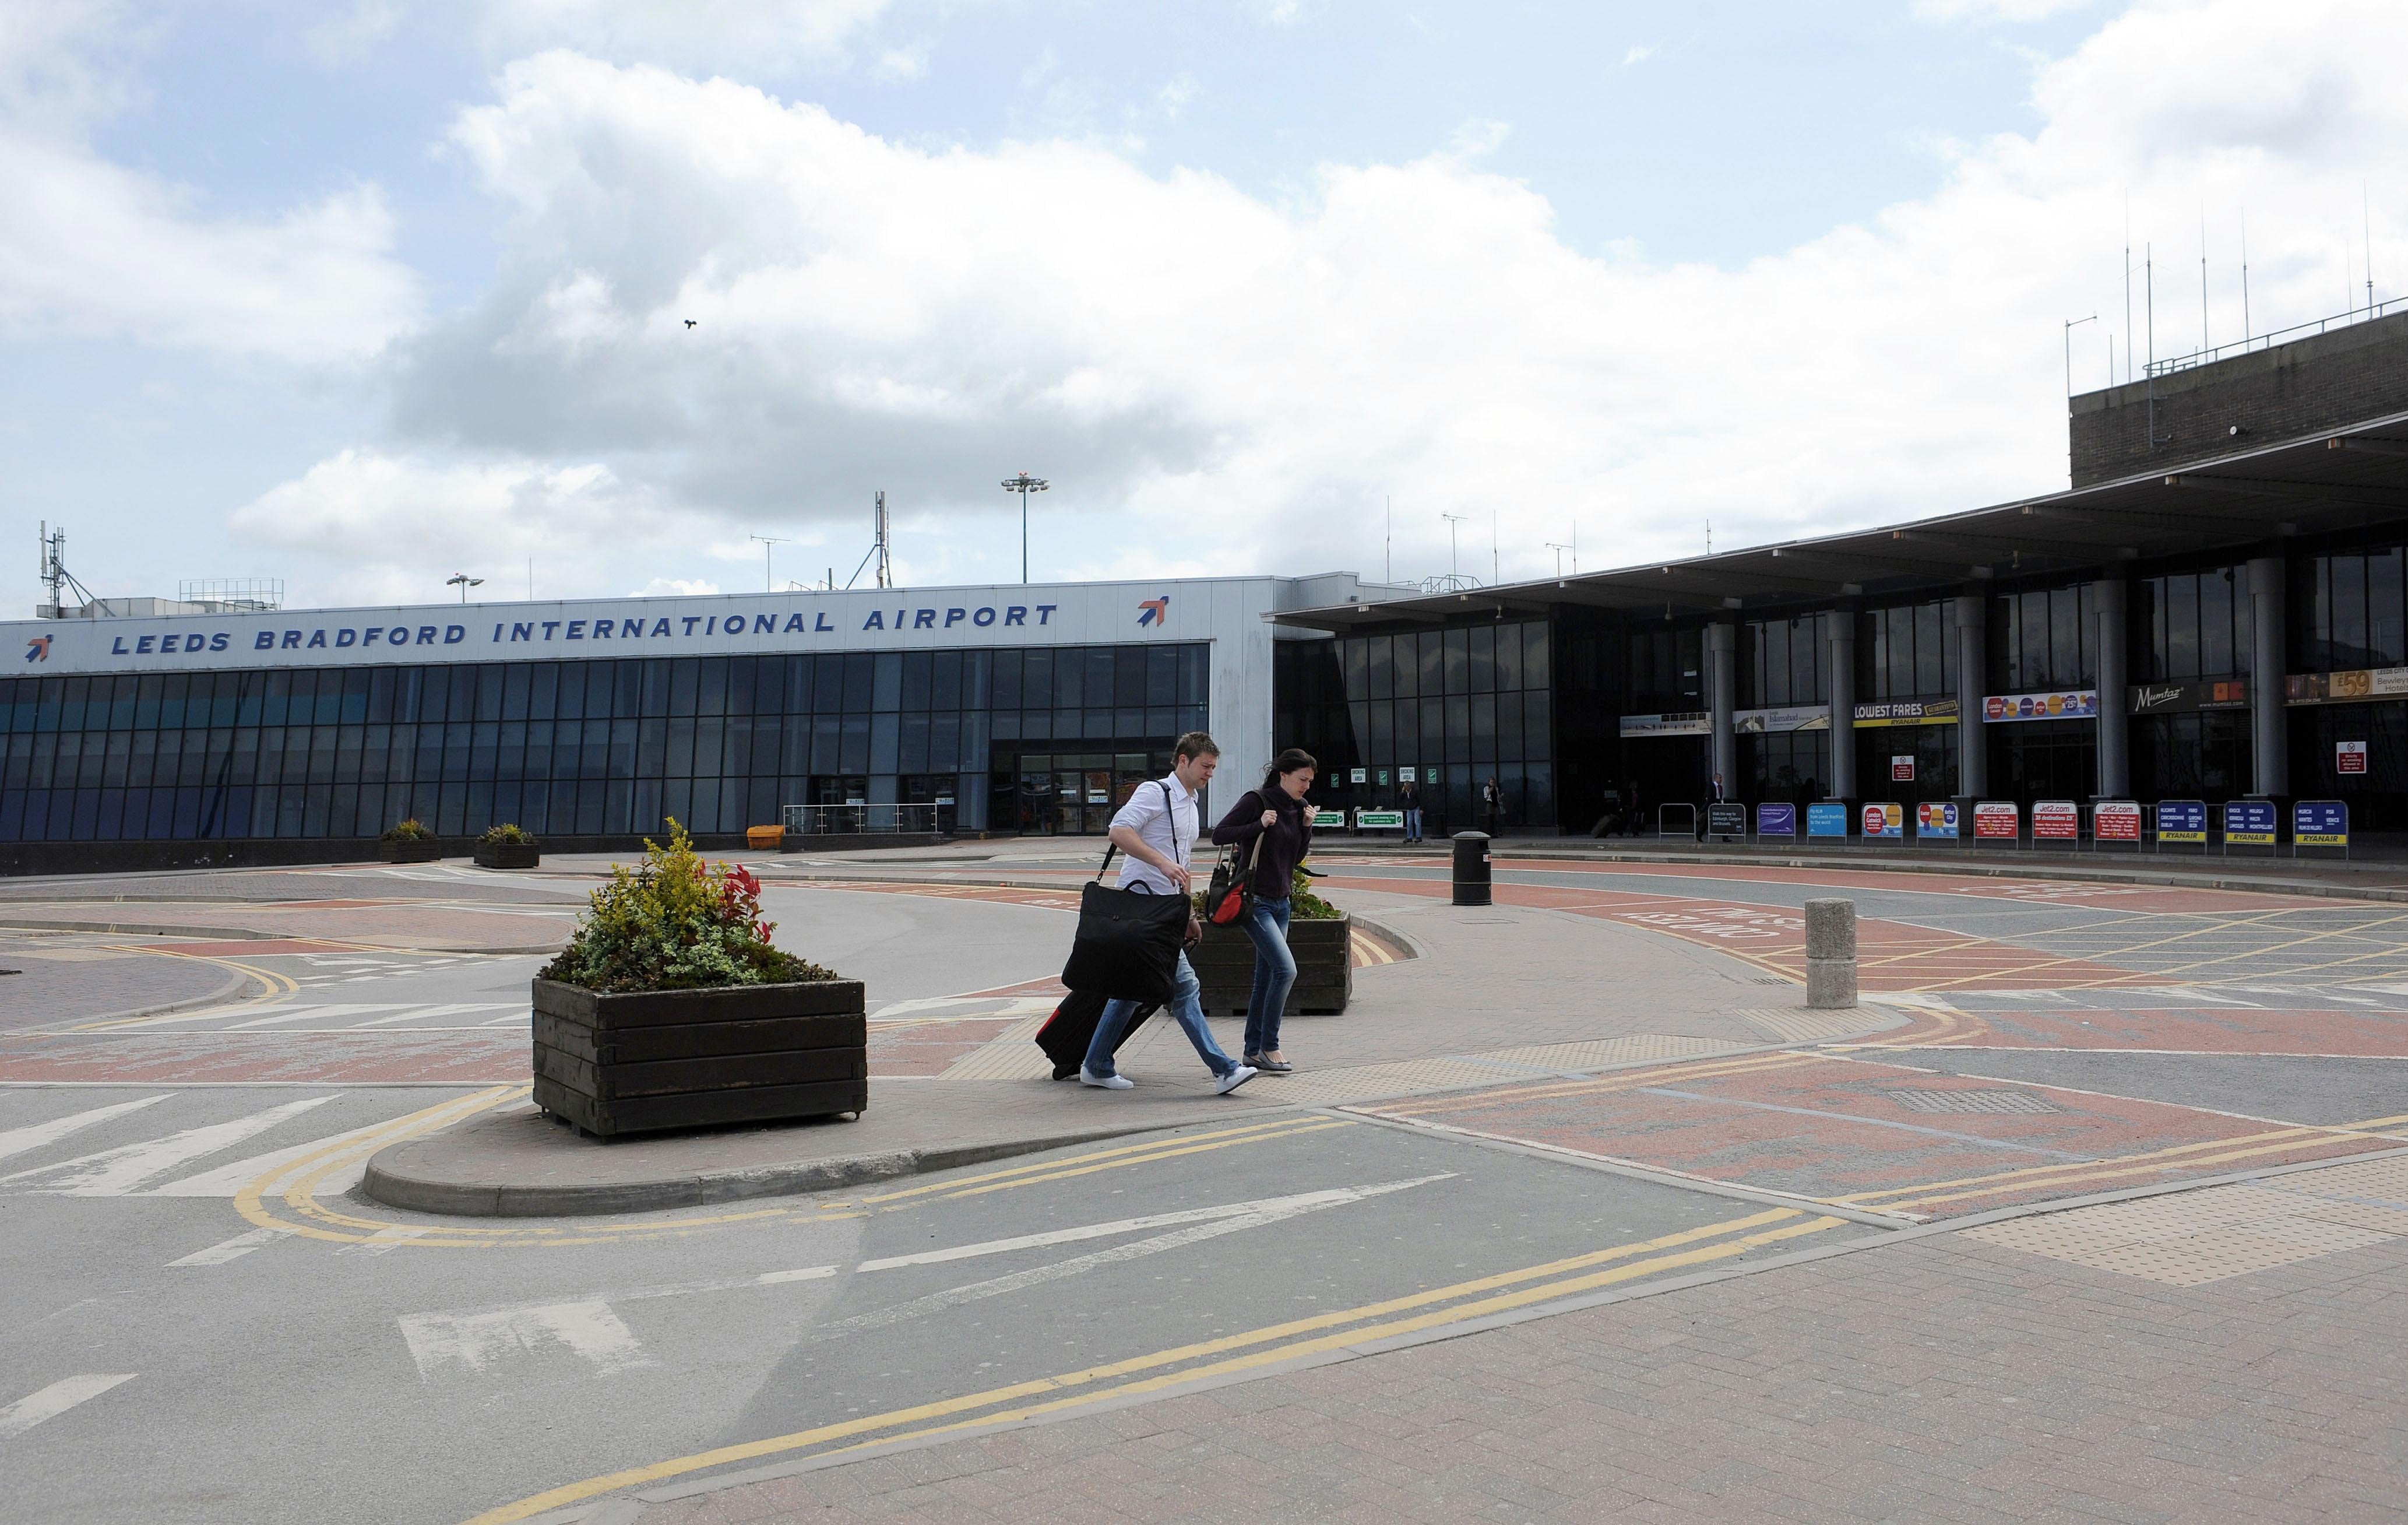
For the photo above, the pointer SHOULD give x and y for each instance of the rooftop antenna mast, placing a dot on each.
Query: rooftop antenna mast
(768, 543)
(885, 545)
(2206, 343)
(2244, 275)
(1388, 541)
(56, 575)
(2366, 214)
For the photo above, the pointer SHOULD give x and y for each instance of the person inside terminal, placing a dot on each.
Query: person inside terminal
(2215, 610)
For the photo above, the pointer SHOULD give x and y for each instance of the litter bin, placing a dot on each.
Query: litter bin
(1471, 867)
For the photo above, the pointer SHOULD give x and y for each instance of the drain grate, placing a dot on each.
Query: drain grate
(1915, 1099)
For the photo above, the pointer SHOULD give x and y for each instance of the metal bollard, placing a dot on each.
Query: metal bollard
(1471, 867)
(1830, 954)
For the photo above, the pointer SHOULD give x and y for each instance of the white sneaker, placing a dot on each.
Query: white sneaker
(1231, 1081)
(1109, 1082)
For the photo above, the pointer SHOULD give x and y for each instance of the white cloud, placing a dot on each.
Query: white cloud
(749, 34)
(1212, 379)
(88, 247)
(674, 587)
(377, 527)
(349, 36)
(1637, 53)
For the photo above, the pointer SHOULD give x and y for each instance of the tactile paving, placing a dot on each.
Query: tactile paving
(2194, 1237)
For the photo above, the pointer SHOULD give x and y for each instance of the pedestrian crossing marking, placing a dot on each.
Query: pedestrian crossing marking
(18, 1141)
(55, 1399)
(119, 1171)
(231, 1249)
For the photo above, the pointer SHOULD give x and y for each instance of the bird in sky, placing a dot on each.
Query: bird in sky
(689, 322)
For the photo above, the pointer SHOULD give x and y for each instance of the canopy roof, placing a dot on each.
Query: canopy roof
(2326, 483)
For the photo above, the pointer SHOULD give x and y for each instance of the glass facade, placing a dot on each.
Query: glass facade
(1457, 706)
(578, 748)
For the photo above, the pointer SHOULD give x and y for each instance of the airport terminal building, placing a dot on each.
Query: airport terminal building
(2215, 609)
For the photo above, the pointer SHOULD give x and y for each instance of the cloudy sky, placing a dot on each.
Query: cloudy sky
(363, 293)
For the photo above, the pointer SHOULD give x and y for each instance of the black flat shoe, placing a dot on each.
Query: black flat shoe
(1271, 1066)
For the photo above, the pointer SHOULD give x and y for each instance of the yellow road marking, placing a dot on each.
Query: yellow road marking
(752, 1450)
(2100, 1175)
(273, 984)
(2033, 1171)
(328, 1224)
(2296, 941)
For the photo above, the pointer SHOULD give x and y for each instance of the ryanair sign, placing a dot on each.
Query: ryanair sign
(878, 619)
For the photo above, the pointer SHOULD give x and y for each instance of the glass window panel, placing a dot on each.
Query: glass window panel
(2183, 615)
(919, 677)
(599, 684)
(2385, 641)
(1128, 677)
(975, 666)
(569, 702)
(854, 753)
(1534, 655)
(1509, 723)
(860, 673)
(798, 685)
(627, 689)
(1433, 664)
(1195, 674)
(741, 672)
(543, 691)
(1161, 676)
(1005, 680)
(1457, 673)
(514, 691)
(684, 678)
(710, 686)
(945, 681)
(912, 755)
(1930, 649)
(1510, 643)
(1535, 740)
(886, 683)
(1457, 709)
(826, 744)
(1481, 675)
(1101, 666)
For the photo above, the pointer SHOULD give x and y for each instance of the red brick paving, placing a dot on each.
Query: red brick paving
(1827, 1127)
(2185, 1030)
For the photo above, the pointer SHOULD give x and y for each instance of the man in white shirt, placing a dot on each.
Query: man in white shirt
(1156, 829)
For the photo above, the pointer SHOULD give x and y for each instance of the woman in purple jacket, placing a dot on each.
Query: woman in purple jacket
(1277, 814)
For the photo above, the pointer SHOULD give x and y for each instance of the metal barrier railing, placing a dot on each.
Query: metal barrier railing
(860, 818)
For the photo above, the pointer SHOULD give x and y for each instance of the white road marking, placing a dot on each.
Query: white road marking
(417, 1014)
(1270, 1210)
(229, 1180)
(17, 1141)
(233, 1249)
(384, 1241)
(55, 1399)
(471, 1342)
(117, 1172)
(302, 1013)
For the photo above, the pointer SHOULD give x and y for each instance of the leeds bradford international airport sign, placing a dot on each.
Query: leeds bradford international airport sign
(874, 620)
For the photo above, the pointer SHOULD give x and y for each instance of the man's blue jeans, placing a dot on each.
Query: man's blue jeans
(1412, 826)
(1265, 925)
(1186, 1007)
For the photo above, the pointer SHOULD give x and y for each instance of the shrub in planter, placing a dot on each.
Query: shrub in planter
(670, 1008)
(1318, 933)
(507, 846)
(409, 841)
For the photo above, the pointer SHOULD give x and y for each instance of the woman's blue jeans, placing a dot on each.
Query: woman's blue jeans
(1266, 926)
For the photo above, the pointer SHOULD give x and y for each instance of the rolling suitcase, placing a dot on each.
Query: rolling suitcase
(1068, 1032)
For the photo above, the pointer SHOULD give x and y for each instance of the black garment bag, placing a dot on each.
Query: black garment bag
(1128, 940)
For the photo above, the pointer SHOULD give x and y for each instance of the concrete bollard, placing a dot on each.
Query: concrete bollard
(1830, 954)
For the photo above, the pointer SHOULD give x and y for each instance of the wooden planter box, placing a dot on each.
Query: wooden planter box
(508, 854)
(637, 1063)
(424, 851)
(1325, 968)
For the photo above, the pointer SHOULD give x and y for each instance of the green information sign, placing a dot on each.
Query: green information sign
(1333, 820)
(1379, 820)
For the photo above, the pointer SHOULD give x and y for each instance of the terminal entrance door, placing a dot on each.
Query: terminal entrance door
(1074, 793)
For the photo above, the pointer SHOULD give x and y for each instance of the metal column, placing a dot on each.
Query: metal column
(1973, 677)
(2114, 721)
(1722, 681)
(1840, 627)
(2269, 736)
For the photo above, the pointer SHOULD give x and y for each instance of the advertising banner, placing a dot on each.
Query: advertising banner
(1903, 713)
(1408, 775)
(1935, 818)
(1997, 820)
(2056, 820)
(2350, 757)
(2182, 820)
(2345, 687)
(1828, 819)
(1354, 774)
(1776, 820)
(2320, 823)
(1789, 717)
(1689, 723)
(1726, 818)
(2175, 698)
(1886, 820)
(1379, 820)
(2070, 704)
(2115, 820)
(1901, 768)
(2249, 822)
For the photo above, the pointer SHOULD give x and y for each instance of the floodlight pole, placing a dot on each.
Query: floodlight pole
(464, 582)
(1024, 484)
(1454, 567)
